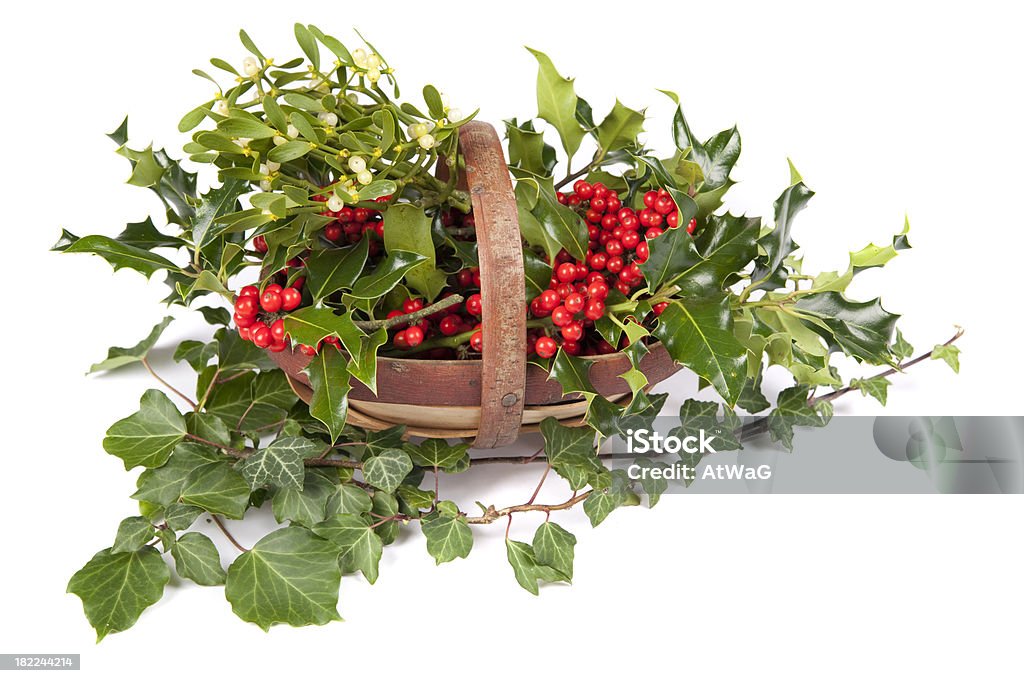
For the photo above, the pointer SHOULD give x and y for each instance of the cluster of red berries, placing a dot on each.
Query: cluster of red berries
(618, 245)
(257, 314)
(351, 224)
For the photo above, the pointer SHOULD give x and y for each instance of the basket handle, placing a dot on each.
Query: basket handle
(502, 285)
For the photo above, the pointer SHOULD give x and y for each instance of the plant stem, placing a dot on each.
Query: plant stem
(224, 529)
(186, 399)
(492, 514)
(415, 316)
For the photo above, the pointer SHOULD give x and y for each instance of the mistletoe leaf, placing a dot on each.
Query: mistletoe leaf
(217, 488)
(555, 547)
(387, 469)
(280, 463)
(196, 558)
(556, 103)
(132, 534)
(448, 536)
(147, 437)
(699, 335)
(118, 356)
(360, 548)
(290, 576)
(115, 588)
(526, 568)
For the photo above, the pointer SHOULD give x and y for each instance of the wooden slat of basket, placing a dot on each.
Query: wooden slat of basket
(502, 286)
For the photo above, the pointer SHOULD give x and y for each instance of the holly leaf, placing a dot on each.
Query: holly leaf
(527, 150)
(386, 275)
(620, 128)
(556, 103)
(115, 588)
(213, 205)
(386, 470)
(144, 235)
(280, 463)
(948, 353)
(726, 244)
(448, 536)
(561, 227)
(573, 373)
(699, 335)
(778, 244)
(118, 356)
(408, 229)
(860, 329)
(132, 534)
(875, 387)
(217, 488)
(329, 378)
(672, 255)
(720, 155)
(290, 576)
(310, 325)
(438, 453)
(196, 558)
(360, 547)
(147, 437)
(526, 568)
(554, 547)
(121, 255)
(331, 270)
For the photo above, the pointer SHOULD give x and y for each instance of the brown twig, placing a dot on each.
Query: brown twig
(492, 514)
(186, 399)
(415, 316)
(227, 533)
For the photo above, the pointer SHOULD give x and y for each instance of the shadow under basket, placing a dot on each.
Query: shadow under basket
(493, 399)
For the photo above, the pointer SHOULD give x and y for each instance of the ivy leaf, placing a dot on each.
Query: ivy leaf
(147, 437)
(448, 536)
(438, 453)
(115, 588)
(349, 499)
(217, 488)
(118, 356)
(280, 463)
(253, 401)
(162, 485)
(196, 558)
(306, 506)
(386, 275)
(360, 547)
(132, 534)
(571, 451)
(386, 470)
(875, 387)
(699, 335)
(620, 128)
(331, 270)
(556, 103)
(778, 244)
(179, 517)
(385, 505)
(290, 576)
(554, 547)
(793, 410)
(751, 399)
(120, 255)
(526, 568)
(409, 231)
(602, 502)
(861, 329)
(330, 381)
(902, 349)
(948, 353)
(652, 487)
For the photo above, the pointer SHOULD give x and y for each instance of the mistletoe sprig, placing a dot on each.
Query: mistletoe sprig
(331, 202)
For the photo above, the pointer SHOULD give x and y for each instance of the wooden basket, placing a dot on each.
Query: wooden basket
(490, 400)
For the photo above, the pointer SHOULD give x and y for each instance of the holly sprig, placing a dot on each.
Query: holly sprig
(292, 144)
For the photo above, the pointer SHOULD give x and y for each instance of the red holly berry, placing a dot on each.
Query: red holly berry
(244, 333)
(291, 298)
(306, 350)
(630, 239)
(450, 325)
(333, 232)
(546, 347)
(412, 305)
(270, 300)
(691, 226)
(564, 290)
(658, 308)
(562, 199)
(400, 339)
(654, 232)
(259, 243)
(598, 203)
(572, 348)
(278, 346)
(672, 220)
(598, 261)
(664, 205)
(566, 272)
(549, 299)
(247, 306)
(598, 289)
(476, 341)
(574, 303)
(643, 252)
(650, 198)
(615, 264)
(573, 331)
(584, 189)
(414, 336)
(249, 290)
(595, 308)
(561, 316)
(261, 336)
(244, 320)
(277, 330)
(464, 278)
(473, 305)
(613, 247)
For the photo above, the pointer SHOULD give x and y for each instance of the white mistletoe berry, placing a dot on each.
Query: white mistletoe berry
(250, 66)
(221, 107)
(334, 203)
(364, 177)
(359, 57)
(328, 118)
(426, 141)
(357, 164)
(293, 132)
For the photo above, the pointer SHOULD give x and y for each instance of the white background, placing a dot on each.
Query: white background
(885, 108)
